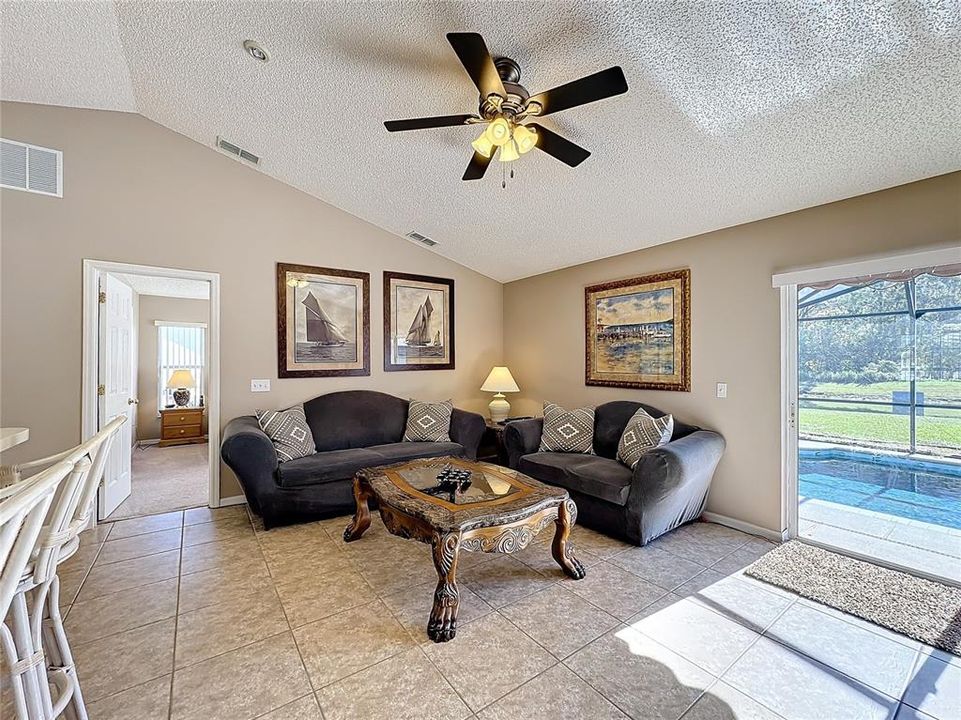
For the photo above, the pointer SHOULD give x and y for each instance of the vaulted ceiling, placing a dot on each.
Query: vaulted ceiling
(736, 111)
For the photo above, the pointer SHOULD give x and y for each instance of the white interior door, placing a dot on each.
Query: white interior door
(116, 383)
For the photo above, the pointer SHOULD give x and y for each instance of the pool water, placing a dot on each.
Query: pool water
(913, 491)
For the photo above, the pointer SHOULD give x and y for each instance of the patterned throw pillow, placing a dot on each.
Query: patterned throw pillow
(642, 434)
(568, 431)
(288, 431)
(428, 422)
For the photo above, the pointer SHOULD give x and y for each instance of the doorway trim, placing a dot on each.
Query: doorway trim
(787, 282)
(92, 269)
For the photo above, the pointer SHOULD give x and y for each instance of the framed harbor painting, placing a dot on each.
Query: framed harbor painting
(418, 322)
(323, 322)
(638, 332)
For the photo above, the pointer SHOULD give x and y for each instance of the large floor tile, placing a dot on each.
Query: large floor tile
(641, 677)
(218, 530)
(412, 608)
(147, 524)
(702, 636)
(488, 658)
(555, 693)
(744, 602)
(241, 684)
(196, 516)
(800, 688)
(118, 662)
(306, 708)
(863, 655)
(906, 712)
(348, 642)
(742, 557)
(82, 559)
(308, 599)
(539, 557)
(93, 619)
(503, 580)
(306, 565)
(616, 591)
(209, 587)
(927, 536)
(722, 702)
(935, 688)
(216, 629)
(559, 620)
(127, 574)
(657, 566)
(236, 552)
(404, 687)
(150, 701)
(593, 542)
(139, 546)
(691, 542)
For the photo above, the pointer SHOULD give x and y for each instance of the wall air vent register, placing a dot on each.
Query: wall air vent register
(31, 168)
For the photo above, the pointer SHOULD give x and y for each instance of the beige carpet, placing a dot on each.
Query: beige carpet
(165, 479)
(921, 609)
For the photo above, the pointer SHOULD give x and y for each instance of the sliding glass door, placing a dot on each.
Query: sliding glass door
(878, 417)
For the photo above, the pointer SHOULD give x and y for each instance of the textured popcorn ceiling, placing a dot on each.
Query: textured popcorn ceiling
(737, 111)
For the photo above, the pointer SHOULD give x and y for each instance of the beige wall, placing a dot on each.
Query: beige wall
(154, 307)
(137, 192)
(735, 323)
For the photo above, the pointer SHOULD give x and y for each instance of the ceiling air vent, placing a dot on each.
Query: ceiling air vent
(31, 168)
(236, 151)
(422, 239)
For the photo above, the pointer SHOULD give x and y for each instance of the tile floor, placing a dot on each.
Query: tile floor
(198, 615)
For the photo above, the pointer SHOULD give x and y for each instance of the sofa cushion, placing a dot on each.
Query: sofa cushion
(288, 431)
(398, 452)
(355, 419)
(592, 475)
(428, 422)
(611, 418)
(567, 430)
(642, 434)
(324, 467)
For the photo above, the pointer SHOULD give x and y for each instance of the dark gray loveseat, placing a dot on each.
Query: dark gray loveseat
(667, 488)
(352, 430)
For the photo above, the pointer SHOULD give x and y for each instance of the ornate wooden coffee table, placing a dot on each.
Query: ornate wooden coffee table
(500, 511)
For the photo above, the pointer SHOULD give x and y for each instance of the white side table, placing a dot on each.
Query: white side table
(10, 436)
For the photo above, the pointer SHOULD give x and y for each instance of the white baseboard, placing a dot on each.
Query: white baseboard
(772, 535)
(235, 500)
(142, 443)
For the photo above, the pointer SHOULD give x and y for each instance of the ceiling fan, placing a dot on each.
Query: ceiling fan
(506, 108)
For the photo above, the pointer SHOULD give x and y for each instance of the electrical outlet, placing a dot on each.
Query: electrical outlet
(722, 390)
(260, 386)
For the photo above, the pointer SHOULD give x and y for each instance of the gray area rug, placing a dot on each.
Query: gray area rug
(921, 609)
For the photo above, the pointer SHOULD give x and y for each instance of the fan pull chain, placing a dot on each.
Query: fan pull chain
(503, 176)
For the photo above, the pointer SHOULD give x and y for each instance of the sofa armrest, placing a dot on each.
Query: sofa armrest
(522, 437)
(251, 455)
(673, 480)
(467, 428)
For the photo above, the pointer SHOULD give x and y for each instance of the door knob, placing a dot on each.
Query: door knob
(132, 401)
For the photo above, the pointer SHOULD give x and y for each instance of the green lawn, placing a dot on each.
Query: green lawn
(941, 391)
(942, 430)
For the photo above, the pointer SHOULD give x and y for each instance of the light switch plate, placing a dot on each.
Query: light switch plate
(260, 386)
(722, 390)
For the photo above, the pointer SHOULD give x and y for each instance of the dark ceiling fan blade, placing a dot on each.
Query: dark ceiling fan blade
(477, 167)
(427, 122)
(477, 61)
(600, 85)
(560, 147)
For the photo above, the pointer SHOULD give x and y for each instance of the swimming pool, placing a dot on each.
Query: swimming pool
(905, 487)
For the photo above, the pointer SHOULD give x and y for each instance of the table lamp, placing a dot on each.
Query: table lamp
(179, 381)
(500, 381)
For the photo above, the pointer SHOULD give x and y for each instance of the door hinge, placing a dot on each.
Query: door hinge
(101, 390)
(103, 297)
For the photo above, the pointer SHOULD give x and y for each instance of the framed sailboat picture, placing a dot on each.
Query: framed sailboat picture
(323, 322)
(638, 332)
(418, 322)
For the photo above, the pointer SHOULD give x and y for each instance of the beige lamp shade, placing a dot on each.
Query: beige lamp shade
(181, 379)
(500, 380)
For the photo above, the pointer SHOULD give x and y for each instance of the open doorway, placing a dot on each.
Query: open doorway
(151, 353)
(876, 413)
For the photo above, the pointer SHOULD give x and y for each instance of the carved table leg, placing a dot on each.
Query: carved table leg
(562, 548)
(442, 625)
(361, 520)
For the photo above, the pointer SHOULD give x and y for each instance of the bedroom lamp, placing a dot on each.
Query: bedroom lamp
(500, 381)
(179, 381)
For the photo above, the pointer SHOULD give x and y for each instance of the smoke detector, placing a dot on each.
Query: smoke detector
(256, 51)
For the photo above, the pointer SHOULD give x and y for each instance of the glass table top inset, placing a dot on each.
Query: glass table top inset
(483, 485)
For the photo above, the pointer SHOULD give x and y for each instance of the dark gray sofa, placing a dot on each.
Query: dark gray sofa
(667, 488)
(352, 430)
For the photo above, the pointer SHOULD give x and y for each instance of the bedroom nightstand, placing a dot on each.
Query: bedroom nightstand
(181, 426)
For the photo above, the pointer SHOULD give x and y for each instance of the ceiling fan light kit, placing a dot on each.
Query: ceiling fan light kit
(505, 105)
